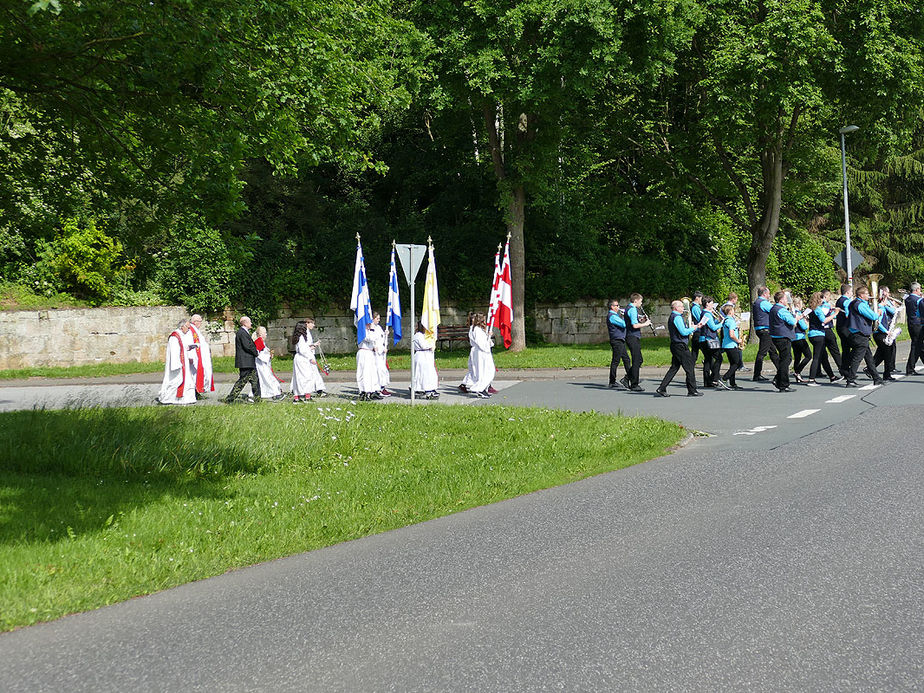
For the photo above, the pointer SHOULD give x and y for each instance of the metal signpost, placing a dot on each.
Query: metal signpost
(411, 258)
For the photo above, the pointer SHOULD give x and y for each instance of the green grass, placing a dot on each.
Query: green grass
(100, 505)
(655, 352)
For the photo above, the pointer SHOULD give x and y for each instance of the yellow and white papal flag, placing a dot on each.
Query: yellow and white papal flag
(430, 313)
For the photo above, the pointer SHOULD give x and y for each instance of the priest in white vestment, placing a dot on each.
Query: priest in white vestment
(178, 386)
(201, 358)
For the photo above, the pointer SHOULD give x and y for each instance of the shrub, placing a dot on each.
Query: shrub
(81, 260)
(195, 268)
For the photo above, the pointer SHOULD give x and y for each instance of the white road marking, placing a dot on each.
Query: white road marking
(802, 414)
(870, 387)
(761, 429)
(838, 400)
(898, 375)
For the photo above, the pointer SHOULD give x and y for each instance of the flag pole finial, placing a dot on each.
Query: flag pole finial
(393, 243)
(429, 240)
(357, 236)
(508, 236)
(499, 246)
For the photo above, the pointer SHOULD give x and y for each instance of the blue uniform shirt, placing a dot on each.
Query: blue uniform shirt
(632, 319)
(887, 313)
(784, 317)
(729, 327)
(801, 328)
(682, 329)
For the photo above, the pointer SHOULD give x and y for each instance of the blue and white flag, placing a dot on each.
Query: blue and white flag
(393, 316)
(359, 303)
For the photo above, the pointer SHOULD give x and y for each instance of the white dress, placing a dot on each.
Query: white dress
(204, 355)
(425, 376)
(178, 387)
(306, 378)
(269, 383)
(469, 378)
(483, 369)
(367, 370)
(381, 355)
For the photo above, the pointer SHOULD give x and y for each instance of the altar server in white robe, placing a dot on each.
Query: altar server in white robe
(201, 358)
(306, 377)
(367, 368)
(381, 358)
(469, 379)
(483, 369)
(270, 384)
(178, 386)
(426, 379)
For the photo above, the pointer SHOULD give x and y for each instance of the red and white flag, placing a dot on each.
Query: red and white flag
(495, 295)
(503, 316)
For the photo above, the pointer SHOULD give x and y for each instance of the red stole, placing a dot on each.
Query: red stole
(261, 345)
(200, 374)
(179, 340)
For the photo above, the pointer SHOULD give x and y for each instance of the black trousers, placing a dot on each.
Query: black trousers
(634, 345)
(885, 353)
(802, 354)
(766, 348)
(784, 349)
(619, 354)
(846, 347)
(248, 375)
(734, 363)
(712, 363)
(680, 357)
(917, 337)
(694, 347)
(820, 356)
(860, 351)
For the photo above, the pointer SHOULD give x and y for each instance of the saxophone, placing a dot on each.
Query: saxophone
(894, 328)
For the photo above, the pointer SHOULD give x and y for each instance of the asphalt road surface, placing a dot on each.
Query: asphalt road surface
(783, 551)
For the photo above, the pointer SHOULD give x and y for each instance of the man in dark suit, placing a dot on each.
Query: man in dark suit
(245, 355)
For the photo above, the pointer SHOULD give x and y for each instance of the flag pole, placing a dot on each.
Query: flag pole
(413, 332)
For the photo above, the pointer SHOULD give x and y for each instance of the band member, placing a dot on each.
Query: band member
(731, 345)
(842, 325)
(801, 352)
(822, 337)
(914, 302)
(634, 327)
(696, 310)
(732, 301)
(860, 326)
(760, 322)
(680, 352)
(782, 331)
(616, 326)
(710, 345)
(885, 353)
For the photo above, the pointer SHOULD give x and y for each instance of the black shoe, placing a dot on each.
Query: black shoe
(637, 388)
(463, 388)
(376, 395)
(836, 378)
(851, 383)
(736, 387)
(616, 386)
(786, 389)
(321, 393)
(695, 393)
(880, 381)
(721, 385)
(661, 393)
(891, 379)
(798, 378)
(761, 379)
(625, 382)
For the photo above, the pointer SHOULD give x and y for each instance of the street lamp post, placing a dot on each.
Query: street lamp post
(847, 129)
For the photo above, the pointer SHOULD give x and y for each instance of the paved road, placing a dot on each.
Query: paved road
(788, 559)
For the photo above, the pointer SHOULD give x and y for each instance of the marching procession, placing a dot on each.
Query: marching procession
(823, 334)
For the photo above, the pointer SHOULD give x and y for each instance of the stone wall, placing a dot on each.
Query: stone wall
(33, 338)
(120, 335)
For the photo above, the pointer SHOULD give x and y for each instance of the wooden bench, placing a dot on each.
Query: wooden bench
(451, 334)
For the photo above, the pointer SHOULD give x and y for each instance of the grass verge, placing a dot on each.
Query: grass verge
(100, 505)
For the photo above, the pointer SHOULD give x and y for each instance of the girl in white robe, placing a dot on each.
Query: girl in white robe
(367, 369)
(306, 377)
(483, 369)
(270, 384)
(426, 379)
(381, 359)
(469, 378)
(178, 386)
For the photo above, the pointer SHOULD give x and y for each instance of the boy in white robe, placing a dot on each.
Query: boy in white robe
(426, 379)
(367, 368)
(178, 386)
(483, 369)
(269, 382)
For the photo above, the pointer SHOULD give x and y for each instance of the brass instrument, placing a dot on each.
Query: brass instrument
(874, 290)
(894, 328)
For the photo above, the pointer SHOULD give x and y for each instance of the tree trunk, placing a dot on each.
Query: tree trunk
(764, 231)
(516, 212)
